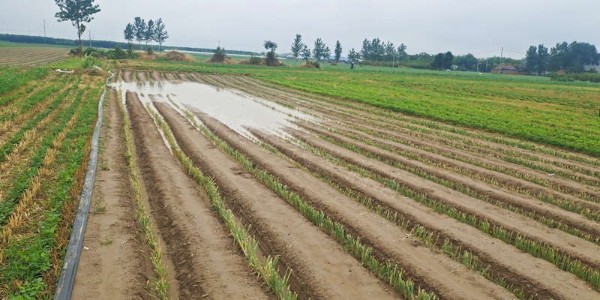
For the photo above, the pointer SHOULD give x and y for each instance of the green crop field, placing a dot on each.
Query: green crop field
(536, 109)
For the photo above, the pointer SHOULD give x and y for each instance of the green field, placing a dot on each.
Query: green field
(536, 109)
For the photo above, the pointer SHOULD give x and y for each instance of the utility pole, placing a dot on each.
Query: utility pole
(90, 36)
(45, 41)
(501, 59)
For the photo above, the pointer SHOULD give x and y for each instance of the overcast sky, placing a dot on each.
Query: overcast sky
(481, 27)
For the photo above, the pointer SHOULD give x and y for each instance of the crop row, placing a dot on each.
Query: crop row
(32, 261)
(507, 202)
(160, 283)
(467, 137)
(387, 271)
(557, 257)
(405, 132)
(266, 267)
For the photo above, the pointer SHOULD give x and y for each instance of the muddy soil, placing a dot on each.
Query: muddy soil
(320, 269)
(207, 263)
(517, 267)
(115, 261)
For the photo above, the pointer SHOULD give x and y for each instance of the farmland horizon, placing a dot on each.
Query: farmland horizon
(426, 26)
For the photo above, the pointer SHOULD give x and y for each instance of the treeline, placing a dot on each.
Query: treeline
(570, 58)
(27, 39)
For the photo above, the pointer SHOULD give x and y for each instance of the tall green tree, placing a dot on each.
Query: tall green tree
(149, 33)
(160, 34)
(297, 46)
(438, 62)
(77, 12)
(305, 53)
(129, 35)
(542, 58)
(354, 56)
(139, 27)
(321, 51)
(531, 60)
(466, 62)
(338, 51)
(448, 60)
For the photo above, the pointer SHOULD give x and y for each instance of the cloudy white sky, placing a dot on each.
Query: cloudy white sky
(481, 27)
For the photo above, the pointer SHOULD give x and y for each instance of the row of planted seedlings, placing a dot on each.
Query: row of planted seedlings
(240, 84)
(567, 170)
(559, 258)
(446, 133)
(454, 132)
(387, 271)
(160, 284)
(15, 157)
(433, 239)
(454, 249)
(473, 191)
(16, 81)
(35, 116)
(27, 100)
(28, 106)
(265, 266)
(37, 230)
(28, 89)
(483, 161)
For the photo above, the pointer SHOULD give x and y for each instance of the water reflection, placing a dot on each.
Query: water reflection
(233, 108)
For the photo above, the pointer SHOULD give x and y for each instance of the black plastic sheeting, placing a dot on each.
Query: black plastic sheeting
(69, 269)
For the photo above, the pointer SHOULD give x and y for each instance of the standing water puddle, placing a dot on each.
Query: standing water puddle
(235, 109)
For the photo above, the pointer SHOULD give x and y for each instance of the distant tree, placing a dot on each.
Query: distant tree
(160, 33)
(149, 35)
(321, 51)
(572, 57)
(129, 34)
(354, 56)
(297, 46)
(448, 60)
(542, 58)
(438, 62)
(139, 26)
(271, 56)
(338, 51)
(531, 60)
(305, 53)
(466, 62)
(219, 56)
(402, 55)
(78, 12)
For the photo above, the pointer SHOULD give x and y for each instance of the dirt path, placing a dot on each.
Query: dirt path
(519, 268)
(321, 270)
(114, 263)
(576, 247)
(206, 262)
(441, 274)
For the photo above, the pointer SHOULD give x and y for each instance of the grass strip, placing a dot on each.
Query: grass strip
(387, 271)
(160, 283)
(266, 268)
(538, 249)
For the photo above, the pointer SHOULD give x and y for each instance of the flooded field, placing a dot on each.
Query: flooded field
(238, 110)
(331, 199)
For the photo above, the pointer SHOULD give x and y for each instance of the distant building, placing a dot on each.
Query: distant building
(506, 69)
